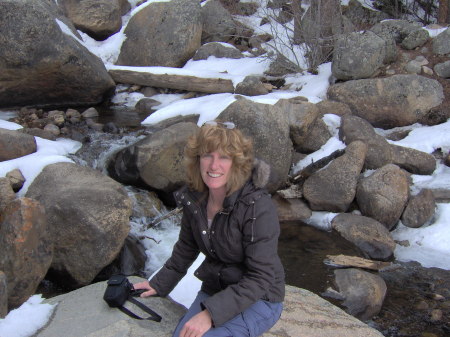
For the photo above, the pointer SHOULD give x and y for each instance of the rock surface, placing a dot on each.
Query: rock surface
(84, 313)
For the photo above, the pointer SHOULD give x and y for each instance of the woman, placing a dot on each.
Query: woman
(230, 218)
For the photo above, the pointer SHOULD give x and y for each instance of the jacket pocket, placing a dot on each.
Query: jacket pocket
(231, 274)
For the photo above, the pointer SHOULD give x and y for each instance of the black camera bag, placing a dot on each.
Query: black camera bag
(119, 289)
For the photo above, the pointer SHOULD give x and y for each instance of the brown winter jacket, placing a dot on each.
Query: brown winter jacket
(241, 263)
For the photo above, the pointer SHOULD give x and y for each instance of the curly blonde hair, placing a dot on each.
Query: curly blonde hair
(230, 142)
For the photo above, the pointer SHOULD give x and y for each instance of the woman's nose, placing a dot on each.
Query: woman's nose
(214, 163)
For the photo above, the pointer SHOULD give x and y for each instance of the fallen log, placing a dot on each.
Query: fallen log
(172, 81)
(354, 261)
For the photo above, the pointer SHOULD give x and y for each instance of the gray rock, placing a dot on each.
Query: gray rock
(16, 179)
(367, 234)
(43, 66)
(333, 188)
(317, 136)
(218, 24)
(83, 312)
(303, 311)
(412, 160)
(291, 209)
(217, 49)
(97, 18)
(442, 69)
(3, 295)
(90, 113)
(415, 39)
(15, 144)
(281, 65)
(383, 195)
(441, 43)
(88, 216)
(397, 29)
(27, 248)
(6, 193)
(268, 126)
(358, 55)
(165, 34)
(156, 161)
(301, 116)
(36, 132)
(355, 128)
(419, 210)
(251, 86)
(327, 106)
(146, 105)
(360, 15)
(380, 152)
(389, 102)
(53, 129)
(364, 292)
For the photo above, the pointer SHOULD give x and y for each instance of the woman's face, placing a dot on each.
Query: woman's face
(215, 169)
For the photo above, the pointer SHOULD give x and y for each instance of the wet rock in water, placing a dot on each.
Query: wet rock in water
(110, 127)
(367, 234)
(419, 210)
(90, 113)
(364, 292)
(146, 105)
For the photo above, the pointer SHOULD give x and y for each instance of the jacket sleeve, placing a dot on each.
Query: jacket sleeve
(260, 241)
(184, 253)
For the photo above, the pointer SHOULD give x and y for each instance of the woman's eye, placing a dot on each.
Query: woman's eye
(225, 157)
(206, 155)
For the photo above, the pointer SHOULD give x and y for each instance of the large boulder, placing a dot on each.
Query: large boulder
(155, 161)
(305, 314)
(88, 218)
(383, 195)
(42, 63)
(333, 188)
(358, 55)
(268, 126)
(97, 18)
(162, 34)
(15, 144)
(389, 102)
(367, 234)
(380, 151)
(27, 248)
(363, 292)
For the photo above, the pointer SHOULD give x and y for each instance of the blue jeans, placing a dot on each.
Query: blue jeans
(253, 322)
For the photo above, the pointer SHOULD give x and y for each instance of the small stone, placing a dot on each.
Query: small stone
(53, 129)
(422, 305)
(90, 113)
(436, 315)
(16, 179)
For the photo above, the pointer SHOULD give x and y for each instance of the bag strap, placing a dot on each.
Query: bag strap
(153, 315)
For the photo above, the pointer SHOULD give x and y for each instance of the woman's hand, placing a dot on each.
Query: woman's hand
(145, 285)
(197, 325)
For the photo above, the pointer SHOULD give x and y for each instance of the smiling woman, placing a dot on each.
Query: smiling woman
(230, 218)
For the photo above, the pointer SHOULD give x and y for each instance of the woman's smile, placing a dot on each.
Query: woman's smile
(215, 169)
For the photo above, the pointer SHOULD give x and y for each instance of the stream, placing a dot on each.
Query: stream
(417, 302)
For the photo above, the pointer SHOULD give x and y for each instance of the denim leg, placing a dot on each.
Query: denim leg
(253, 322)
(193, 310)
